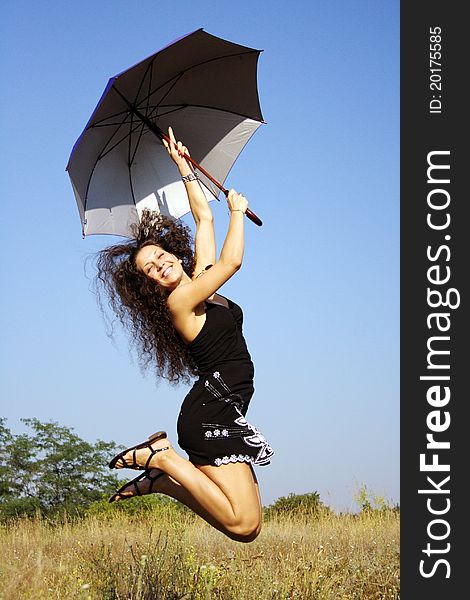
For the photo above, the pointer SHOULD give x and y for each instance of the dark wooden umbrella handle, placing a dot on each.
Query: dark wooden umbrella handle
(159, 133)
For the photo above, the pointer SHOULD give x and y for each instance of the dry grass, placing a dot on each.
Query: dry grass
(172, 556)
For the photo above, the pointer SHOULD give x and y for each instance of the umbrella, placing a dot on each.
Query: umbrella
(206, 89)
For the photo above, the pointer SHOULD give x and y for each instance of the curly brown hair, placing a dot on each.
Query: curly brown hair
(139, 303)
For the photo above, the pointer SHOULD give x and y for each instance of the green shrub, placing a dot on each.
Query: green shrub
(155, 504)
(296, 505)
(12, 508)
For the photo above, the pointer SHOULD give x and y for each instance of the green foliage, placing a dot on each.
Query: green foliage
(156, 505)
(296, 505)
(369, 502)
(51, 470)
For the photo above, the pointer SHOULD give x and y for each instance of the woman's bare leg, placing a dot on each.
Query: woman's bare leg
(225, 496)
(168, 486)
(244, 484)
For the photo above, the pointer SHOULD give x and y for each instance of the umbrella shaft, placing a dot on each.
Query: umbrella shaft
(159, 133)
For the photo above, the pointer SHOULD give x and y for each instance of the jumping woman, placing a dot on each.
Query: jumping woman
(165, 292)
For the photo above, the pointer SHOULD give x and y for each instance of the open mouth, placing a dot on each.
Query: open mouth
(167, 271)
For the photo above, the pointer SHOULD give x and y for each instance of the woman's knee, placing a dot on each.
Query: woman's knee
(246, 529)
(246, 537)
(250, 536)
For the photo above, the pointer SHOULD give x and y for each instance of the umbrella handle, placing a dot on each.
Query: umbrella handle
(160, 134)
(249, 213)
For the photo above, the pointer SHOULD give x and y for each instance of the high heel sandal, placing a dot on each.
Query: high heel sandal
(119, 494)
(134, 465)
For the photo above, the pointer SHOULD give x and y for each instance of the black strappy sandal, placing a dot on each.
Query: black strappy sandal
(119, 494)
(134, 465)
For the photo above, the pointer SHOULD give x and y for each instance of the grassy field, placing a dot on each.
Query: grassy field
(168, 554)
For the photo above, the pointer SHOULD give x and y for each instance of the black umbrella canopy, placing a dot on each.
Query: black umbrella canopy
(202, 85)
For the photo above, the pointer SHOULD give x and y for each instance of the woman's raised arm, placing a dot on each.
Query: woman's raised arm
(205, 249)
(186, 297)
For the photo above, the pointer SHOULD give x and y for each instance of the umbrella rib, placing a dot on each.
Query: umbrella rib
(224, 110)
(106, 125)
(102, 123)
(130, 142)
(149, 68)
(132, 189)
(148, 87)
(130, 160)
(98, 158)
(137, 145)
(204, 62)
(103, 153)
(169, 90)
(152, 114)
(141, 133)
(176, 77)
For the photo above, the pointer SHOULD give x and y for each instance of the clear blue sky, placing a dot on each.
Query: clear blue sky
(320, 281)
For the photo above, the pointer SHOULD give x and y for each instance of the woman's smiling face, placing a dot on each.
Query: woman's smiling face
(161, 266)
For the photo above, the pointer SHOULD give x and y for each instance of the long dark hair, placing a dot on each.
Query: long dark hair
(139, 303)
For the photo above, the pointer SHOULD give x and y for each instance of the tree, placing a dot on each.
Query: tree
(52, 470)
(296, 505)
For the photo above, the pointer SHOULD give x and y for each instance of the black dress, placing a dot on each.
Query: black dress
(212, 428)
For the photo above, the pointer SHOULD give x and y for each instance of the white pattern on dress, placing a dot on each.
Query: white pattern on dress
(251, 436)
(228, 395)
(218, 376)
(233, 459)
(212, 390)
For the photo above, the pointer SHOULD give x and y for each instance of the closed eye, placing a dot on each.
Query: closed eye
(147, 271)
